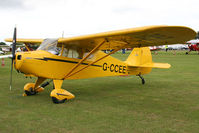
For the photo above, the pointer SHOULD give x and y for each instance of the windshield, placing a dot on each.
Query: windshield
(49, 45)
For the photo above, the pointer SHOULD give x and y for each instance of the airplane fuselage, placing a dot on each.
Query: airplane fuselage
(41, 63)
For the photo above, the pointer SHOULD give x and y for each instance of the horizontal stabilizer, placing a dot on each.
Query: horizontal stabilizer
(161, 65)
(153, 65)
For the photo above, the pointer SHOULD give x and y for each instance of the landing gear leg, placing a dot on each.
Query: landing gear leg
(60, 95)
(46, 83)
(33, 88)
(142, 78)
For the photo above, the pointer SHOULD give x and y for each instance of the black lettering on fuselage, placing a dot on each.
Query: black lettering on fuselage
(114, 68)
(124, 69)
(104, 66)
(120, 69)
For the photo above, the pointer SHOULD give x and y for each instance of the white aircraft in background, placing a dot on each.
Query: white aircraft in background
(178, 47)
(1, 52)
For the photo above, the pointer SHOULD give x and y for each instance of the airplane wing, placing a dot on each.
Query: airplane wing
(134, 37)
(6, 56)
(128, 38)
(26, 41)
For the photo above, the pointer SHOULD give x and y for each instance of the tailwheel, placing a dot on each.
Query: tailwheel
(60, 95)
(29, 89)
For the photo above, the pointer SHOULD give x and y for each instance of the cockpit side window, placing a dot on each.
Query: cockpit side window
(50, 45)
(78, 54)
(70, 53)
(90, 57)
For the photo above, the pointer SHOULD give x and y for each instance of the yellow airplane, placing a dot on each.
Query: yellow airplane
(81, 57)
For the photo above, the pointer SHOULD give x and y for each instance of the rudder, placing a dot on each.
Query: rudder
(141, 57)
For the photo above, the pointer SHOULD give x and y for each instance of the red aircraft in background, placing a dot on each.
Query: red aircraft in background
(193, 45)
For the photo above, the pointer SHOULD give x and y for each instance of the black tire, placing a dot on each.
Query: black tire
(31, 92)
(56, 101)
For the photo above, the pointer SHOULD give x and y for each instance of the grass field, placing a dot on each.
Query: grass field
(167, 103)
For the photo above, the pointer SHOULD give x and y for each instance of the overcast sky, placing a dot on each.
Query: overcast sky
(49, 18)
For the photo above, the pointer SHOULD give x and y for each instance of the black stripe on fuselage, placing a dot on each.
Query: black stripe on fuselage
(60, 60)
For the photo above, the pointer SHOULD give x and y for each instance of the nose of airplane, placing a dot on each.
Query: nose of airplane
(18, 60)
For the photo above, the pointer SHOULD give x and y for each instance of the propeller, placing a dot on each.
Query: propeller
(14, 40)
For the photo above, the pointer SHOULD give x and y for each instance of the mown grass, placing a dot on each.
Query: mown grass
(167, 103)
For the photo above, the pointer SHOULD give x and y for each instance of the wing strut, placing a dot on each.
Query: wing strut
(115, 50)
(84, 58)
(26, 45)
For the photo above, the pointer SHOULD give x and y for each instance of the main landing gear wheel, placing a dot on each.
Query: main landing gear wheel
(29, 89)
(57, 101)
(60, 95)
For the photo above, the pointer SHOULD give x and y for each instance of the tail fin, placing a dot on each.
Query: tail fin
(141, 57)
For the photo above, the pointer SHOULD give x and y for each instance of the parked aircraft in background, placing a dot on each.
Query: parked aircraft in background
(177, 47)
(170, 47)
(193, 45)
(1, 52)
(154, 48)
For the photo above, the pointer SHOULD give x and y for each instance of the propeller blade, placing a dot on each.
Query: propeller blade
(11, 75)
(14, 41)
